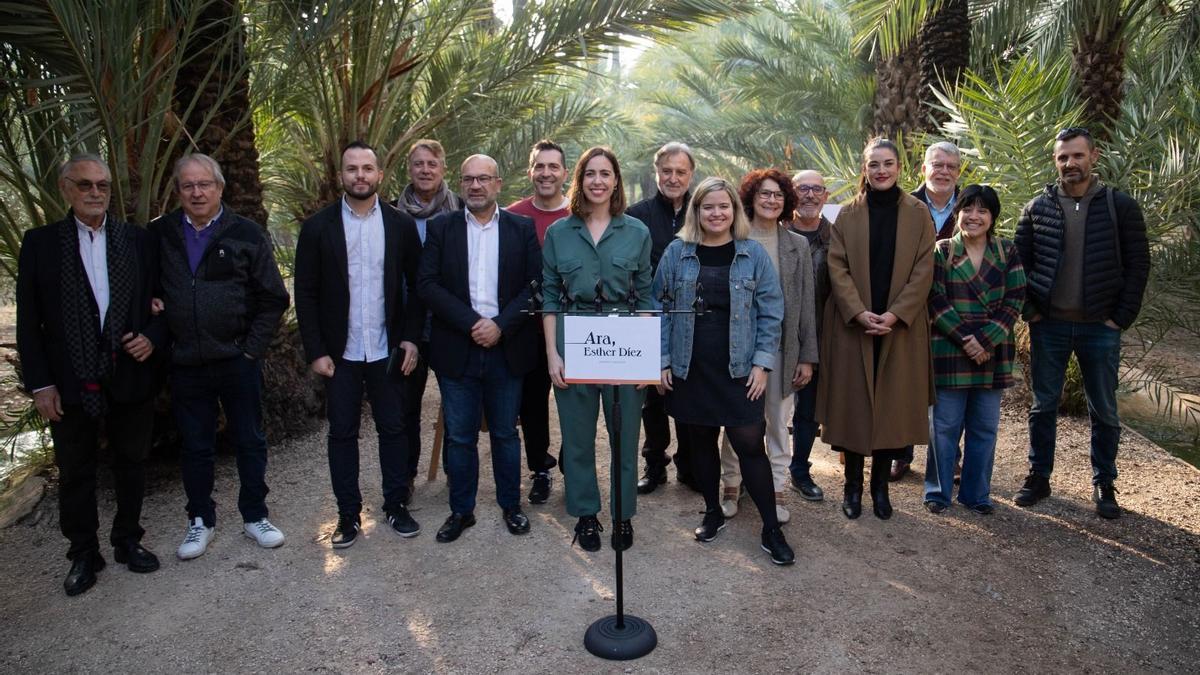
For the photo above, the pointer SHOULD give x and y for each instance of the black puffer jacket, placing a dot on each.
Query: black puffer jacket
(1113, 278)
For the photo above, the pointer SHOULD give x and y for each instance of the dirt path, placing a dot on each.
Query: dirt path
(1050, 589)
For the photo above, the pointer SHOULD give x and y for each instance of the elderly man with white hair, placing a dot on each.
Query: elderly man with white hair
(223, 298)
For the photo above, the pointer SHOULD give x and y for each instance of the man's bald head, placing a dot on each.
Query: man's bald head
(480, 183)
(810, 196)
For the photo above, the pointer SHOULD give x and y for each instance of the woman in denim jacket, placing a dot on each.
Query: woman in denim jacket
(735, 339)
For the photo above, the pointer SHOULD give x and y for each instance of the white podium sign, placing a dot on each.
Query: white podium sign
(612, 349)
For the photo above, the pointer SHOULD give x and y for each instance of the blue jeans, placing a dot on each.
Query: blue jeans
(1098, 350)
(486, 387)
(977, 412)
(236, 384)
(804, 428)
(343, 405)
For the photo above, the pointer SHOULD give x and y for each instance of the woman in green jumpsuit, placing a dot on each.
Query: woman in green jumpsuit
(596, 242)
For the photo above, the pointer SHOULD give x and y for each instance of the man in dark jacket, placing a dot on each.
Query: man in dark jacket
(89, 348)
(223, 298)
(476, 272)
(663, 214)
(1084, 248)
(352, 261)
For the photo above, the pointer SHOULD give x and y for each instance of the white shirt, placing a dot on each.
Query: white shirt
(93, 253)
(366, 335)
(483, 263)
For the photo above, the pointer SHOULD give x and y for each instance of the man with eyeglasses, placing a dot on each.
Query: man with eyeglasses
(89, 348)
(810, 223)
(426, 196)
(1084, 248)
(223, 297)
(359, 331)
(547, 172)
(475, 277)
(674, 166)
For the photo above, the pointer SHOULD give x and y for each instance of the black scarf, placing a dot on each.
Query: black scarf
(93, 352)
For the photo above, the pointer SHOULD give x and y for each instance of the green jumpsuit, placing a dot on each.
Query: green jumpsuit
(571, 264)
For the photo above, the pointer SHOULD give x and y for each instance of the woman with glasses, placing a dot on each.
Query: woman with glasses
(978, 292)
(768, 199)
(596, 248)
(716, 364)
(875, 334)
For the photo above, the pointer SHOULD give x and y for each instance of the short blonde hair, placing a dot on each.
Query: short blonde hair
(692, 231)
(430, 145)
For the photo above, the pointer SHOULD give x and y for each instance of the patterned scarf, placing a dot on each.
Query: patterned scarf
(443, 201)
(94, 352)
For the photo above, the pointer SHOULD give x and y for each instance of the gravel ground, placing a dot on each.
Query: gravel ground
(1051, 589)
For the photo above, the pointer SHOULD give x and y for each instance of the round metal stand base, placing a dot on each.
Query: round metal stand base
(634, 641)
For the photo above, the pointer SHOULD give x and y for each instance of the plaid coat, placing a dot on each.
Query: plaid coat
(986, 304)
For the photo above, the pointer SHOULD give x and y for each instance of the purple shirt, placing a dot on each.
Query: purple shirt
(196, 241)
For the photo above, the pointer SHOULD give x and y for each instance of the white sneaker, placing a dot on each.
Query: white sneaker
(266, 534)
(195, 543)
(781, 514)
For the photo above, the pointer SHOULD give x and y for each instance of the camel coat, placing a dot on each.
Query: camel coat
(857, 411)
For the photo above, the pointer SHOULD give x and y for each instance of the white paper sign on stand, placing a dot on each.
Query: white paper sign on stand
(612, 349)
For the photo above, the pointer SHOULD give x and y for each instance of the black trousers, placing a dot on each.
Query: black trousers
(128, 428)
(535, 415)
(657, 427)
(414, 391)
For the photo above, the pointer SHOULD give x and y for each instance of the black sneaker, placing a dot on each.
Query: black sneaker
(935, 507)
(774, 544)
(587, 533)
(983, 509)
(622, 536)
(402, 523)
(714, 522)
(1036, 489)
(540, 492)
(346, 533)
(1105, 496)
(807, 488)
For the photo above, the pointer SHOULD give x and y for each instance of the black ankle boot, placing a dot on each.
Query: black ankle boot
(852, 492)
(881, 469)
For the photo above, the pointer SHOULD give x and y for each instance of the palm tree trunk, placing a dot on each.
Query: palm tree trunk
(1098, 63)
(897, 107)
(945, 51)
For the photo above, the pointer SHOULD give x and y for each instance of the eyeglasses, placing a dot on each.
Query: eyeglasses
(102, 186)
(770, 195)
(943, 166)
(482, 180)
(816, 190)
(202, 186)
(1072, 132)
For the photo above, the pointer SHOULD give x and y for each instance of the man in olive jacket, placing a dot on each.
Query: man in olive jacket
(1086, 258)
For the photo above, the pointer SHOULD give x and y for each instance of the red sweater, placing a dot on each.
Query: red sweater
(542, 220)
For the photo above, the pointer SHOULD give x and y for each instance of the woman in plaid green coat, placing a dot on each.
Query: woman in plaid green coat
(977, 295)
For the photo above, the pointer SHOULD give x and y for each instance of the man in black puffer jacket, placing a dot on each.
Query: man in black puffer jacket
(223, 298)
(1086, 257)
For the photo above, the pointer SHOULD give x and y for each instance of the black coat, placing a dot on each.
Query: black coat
(1115, 264)
(658, 215)
(41, 340)
(444, 285)
(322, 281)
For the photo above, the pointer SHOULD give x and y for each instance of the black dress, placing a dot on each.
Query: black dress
(709, 396)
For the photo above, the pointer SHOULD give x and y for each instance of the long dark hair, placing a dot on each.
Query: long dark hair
(873, 144)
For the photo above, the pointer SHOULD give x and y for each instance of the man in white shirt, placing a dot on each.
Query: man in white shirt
(476, 270)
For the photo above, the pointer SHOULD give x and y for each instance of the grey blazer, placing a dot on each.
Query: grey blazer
(799, 340)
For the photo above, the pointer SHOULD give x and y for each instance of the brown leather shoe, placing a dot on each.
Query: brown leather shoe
(899, 470)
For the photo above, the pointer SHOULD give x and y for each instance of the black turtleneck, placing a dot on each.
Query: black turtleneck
(882, 208)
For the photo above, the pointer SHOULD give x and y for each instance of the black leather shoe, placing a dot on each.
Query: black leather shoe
(651, 479)
(515, 521)
(453, 527)
(899, 470)
(346, 533)
(852, 501)
(1105, 496)
(540, 492)
(774, 544)
(587, 533)
(622, 536)
(714, 522)
(808, 489)
(136, 558)
(83, 573)
(1035, 489)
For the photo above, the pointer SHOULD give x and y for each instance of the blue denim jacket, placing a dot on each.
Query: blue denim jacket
(755, 312)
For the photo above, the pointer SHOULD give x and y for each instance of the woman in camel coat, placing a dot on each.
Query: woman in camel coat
(875, 333)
